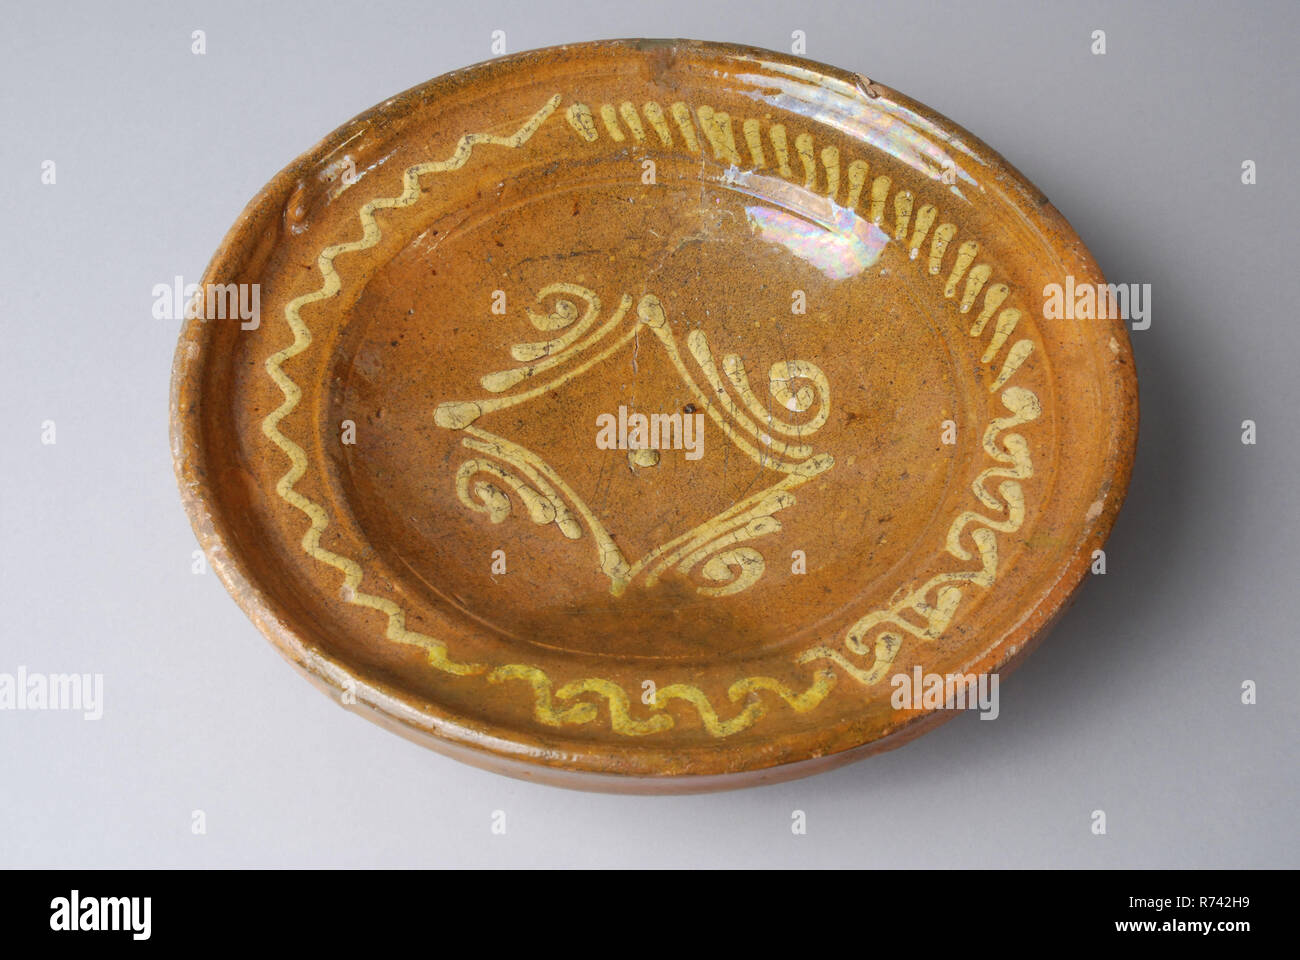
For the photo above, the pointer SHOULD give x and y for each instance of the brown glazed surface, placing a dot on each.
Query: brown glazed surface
(895, 460)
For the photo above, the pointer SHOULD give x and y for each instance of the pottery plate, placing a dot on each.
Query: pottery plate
(630, 415)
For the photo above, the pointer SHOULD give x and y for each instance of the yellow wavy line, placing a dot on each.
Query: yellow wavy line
(331, 284)
(620, 717)
(543, 705)
(708, 716)
(822, 683)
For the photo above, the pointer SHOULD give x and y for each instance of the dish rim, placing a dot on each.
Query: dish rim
(588, 765)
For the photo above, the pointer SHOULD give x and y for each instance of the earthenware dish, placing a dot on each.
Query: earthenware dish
(628, 415)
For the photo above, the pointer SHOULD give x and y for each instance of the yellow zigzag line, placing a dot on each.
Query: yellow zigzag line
(621, 719)
(620, 716)
(331, 284)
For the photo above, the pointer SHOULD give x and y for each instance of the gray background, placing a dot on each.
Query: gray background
(1133, 704)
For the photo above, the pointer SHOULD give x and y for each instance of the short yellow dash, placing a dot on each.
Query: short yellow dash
(579, 117)
(857, 178)
(992, 300)
(754, 140)
(1006, 325)
(943, 235)
(879, 191)
(974, 284)
(803, 144)
(1020, 350)
(608, 114)
(831, 161)
(629, 115)
(777, 135)
(902, 213)
(682, 114)
(924, 218)
(965, 257)
(655, 114)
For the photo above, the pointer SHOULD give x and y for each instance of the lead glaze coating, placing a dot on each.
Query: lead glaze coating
(625, 415)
